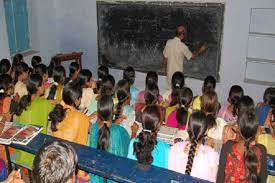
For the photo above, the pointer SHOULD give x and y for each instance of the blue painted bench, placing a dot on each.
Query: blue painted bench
(112, 167)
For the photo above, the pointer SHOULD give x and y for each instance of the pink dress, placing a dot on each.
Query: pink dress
(205, 164)
(140, 97)
(225, 114)
(173, 122)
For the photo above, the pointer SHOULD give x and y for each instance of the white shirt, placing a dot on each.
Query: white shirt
(176, 52)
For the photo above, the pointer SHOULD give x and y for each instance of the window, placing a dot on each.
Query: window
(17, 25)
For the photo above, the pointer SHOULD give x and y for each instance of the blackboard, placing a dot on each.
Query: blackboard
(135, 34)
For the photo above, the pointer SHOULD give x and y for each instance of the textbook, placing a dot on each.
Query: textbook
(18, 134)
(167, 134)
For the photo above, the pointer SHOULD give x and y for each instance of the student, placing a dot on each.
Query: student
(177, 84)
(42, 70)
(243, 160)
(191, 156)
(6, 92)
(36, 60)
(5, 66)
(105, 135)
(268, 137)
(53, 63)
(18, 58)
(102, 72)
(151, 78)
(263, 108)
(129, 75)
(32, 110)
(14, 176)
(85, 81)
(55, 162)
(147, 149)
(227, 112)
(74, 70)
(208, 85)
(178, 117)
(124, 113)
(59, 76)
(21, 72)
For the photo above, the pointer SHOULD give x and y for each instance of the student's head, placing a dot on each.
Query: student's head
(42, 70)
(151, 78)
(268, 94)
(107, 85)
(151, 117)
(71, 96)
(123, 96)
(102, 71)
(105, 107)
(196, 129)
(235, 94)
(272, 120)
(59, 74)
(21, 72)
(53, 63)
(55, 162)
(74, 70)
(36, 60)
(129, 75)
(185, 99)
(17, 59)
(210, 107)
(5, 66)
(245, 103)
(177, 80)
(151, 94)
(6, 86)
(209, 84)
(181, 32)
(35, 88)
(85, 78)
(248, 126)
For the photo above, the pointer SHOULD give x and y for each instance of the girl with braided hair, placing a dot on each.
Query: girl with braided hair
(243, 160)
(146, 148)
(190, 157)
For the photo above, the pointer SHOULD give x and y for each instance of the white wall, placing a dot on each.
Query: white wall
(4, 43)
(70, 25)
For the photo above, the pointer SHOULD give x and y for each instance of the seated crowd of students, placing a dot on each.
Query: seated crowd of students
(226, 143)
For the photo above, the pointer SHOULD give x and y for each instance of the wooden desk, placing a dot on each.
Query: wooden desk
(70, 56)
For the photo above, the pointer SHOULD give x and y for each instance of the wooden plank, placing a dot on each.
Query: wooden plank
(112, 167)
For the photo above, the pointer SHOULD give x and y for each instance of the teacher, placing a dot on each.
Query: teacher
(175, 52)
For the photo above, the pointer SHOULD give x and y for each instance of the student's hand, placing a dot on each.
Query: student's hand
(54, 102)
(14, 177)
(120, 119)
(134, 129)
(94, 85)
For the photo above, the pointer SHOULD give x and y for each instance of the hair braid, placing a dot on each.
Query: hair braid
(191, 155)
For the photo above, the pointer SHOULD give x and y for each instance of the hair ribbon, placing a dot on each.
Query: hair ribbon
(145, 130)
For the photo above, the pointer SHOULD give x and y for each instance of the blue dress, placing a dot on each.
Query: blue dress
(262, 113)
(160, 153)
(119, 143)
(134, 93)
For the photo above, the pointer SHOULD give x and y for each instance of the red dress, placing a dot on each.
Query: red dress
(235, 168)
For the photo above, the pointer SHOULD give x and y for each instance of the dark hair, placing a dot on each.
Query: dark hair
(151, 117)
(272, 106)
(5, 66)
(268, 94)
(151, 78)
(151, 94)
(248, 125)
(129, 75)
(34, 82)
(102, 71)
(245, 103)
(209, 84)
(122, 94)
(74, 66)
(196, 129)
(5, 84)
(105, 107)
(71, 93)
(19, 69)
(55, 162)
(210, 106)
(177, 80)
(83, 77)
(59, 76)
(36, 60)
(185, 99)
(41, 69)
(235, 94)
(107, 85)
(17, 59)
(53, 63)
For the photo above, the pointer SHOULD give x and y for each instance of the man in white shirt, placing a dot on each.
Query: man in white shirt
(175, 52)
